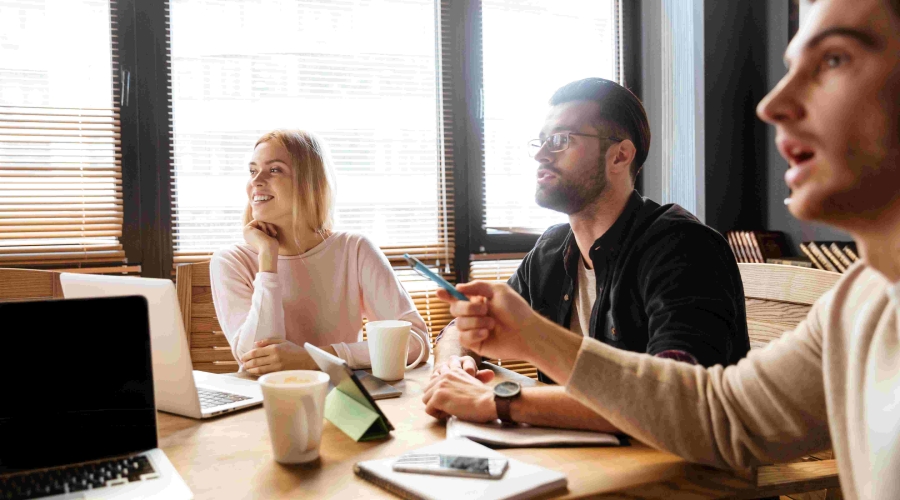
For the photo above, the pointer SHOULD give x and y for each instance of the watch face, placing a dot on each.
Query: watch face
(507, 389)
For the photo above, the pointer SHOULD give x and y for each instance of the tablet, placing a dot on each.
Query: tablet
(342, 377)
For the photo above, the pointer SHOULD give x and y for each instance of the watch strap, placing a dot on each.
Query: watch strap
(503, 406)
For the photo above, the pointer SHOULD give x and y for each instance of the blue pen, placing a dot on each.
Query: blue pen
(424, 271)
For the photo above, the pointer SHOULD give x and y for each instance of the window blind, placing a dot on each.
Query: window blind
(364, 76)
(495, 267)
(530, 49)
(500, 268)
(60, 161)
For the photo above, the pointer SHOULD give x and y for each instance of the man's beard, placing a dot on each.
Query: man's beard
(876, 177)
(570, 196)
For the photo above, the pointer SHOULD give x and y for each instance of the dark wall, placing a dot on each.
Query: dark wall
(735, 74)
(744, 45)
(744, 41)
(777, 217)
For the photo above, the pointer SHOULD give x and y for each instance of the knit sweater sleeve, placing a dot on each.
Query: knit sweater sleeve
(249, 307)
(770, 407)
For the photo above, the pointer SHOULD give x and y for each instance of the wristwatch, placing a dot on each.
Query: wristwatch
(504, 394)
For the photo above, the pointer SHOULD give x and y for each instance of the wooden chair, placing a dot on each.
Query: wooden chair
(210, 351)
(28, 284)
(778, 298)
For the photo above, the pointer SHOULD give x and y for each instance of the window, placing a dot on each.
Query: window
(387, 84)
(530, 49)
(60, 154)
(362, 75)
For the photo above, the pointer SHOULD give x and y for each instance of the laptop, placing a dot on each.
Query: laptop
(78, 418)
(179, 389)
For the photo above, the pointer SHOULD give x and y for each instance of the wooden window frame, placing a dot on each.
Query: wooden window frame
(142, 33)
(146, 118)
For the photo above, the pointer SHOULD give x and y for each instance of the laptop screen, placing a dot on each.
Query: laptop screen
(77, 382)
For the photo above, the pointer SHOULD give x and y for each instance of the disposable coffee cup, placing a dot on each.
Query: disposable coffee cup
(389, 347)
(295, 406)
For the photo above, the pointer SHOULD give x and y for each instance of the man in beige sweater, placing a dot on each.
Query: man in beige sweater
(834, 381)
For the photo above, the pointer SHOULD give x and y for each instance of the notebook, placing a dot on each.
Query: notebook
(520, 481)
(526, 436)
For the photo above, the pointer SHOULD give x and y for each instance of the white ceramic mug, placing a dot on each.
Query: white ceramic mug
(389, 346)
(295, 408)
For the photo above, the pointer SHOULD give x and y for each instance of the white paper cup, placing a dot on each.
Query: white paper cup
(295, 406)
(389, 346)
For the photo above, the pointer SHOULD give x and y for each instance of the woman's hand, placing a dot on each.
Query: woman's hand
(263, 237)
(273, 355)
(496, 323)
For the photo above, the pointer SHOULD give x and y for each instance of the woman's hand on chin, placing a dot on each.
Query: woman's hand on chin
(263, 237)
(273, 355)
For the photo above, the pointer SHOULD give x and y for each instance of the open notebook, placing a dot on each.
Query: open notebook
(520, 481)
(525, 436)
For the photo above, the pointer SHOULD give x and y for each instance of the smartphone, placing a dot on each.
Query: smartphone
(452, 465)
(424, 271)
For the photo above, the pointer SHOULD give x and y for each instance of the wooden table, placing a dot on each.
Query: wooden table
(231, 457)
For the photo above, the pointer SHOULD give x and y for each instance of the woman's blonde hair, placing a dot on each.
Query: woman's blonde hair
(313, 180)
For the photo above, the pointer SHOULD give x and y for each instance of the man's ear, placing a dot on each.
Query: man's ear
(620, 156)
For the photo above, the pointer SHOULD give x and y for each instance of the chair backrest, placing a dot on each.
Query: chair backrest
(210, 351)
(779, 297)
(28, 284)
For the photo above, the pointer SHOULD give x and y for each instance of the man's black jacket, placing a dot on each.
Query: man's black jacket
(665, 282)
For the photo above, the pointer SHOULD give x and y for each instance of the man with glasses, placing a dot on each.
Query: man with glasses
(624, 270)
(834, 382)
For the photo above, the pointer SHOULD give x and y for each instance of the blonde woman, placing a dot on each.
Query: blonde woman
(295, 279)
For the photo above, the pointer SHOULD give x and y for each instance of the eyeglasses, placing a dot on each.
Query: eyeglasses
(559, 142)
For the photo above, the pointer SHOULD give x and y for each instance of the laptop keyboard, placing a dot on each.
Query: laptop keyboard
(76, 478)
(211, 399)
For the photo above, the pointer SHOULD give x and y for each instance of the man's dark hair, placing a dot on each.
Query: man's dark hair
(620, 110)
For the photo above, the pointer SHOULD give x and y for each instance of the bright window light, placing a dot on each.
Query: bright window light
(531, 48)
(360, 74)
